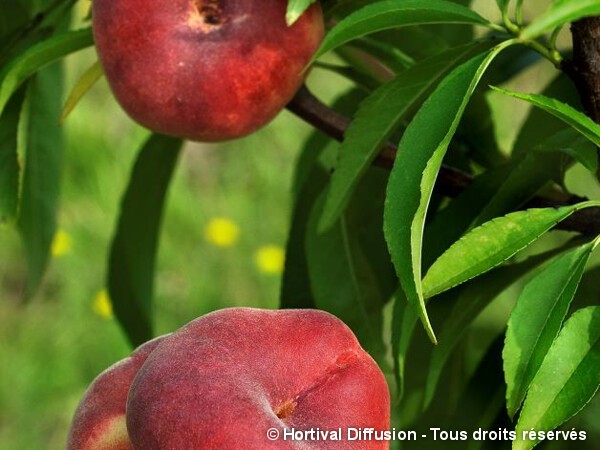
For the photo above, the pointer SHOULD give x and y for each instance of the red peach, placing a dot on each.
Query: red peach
(224, 379)
(99, 421)
(206, 70)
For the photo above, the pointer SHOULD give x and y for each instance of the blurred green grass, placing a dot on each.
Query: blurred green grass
(55, 344)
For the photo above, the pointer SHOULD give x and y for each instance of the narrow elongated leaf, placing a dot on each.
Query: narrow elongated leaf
(388, 14)
(342, 277)
(576, 119)
(502, 4)
(377, 118)
(36, 57)
(536, 320)
(83, 85)
(560, 13)
(295, 283)
(492, 243)
(419, 158)
(133, 250)
(567, 379)
(530, 174)
(389, 54)
(537, 124)
(572, 144)
(469, 302)
(10, 168)
(295, 8)
(41, 142)
(404, 321)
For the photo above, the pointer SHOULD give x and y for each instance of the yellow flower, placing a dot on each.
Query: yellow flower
(61, 243)
(270, 259)
(221, 232)
(102, 305)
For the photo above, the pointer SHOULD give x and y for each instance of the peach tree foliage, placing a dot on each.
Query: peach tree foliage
(417, 217)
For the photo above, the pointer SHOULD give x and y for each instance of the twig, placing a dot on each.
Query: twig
(450, 182)
(584, 70)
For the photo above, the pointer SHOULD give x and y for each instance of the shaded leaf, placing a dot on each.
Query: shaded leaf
(10, 169)
(342, 276)
(536, 321)
(296, 290)
(526, 178)
(41, 143)
(572, 144)
(134, 245)
(383, 15)
(378, 116)
(567, 379)
(388, 54)
(538, 123)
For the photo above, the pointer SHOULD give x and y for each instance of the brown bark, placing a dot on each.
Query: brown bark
(585, 67)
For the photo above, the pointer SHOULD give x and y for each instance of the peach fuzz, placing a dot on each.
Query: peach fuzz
(205, 70)
(99, 421)
(224, 379)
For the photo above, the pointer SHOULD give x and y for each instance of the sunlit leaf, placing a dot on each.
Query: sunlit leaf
(559, 13)
(492, 243)
(576, 119)
(469, 302)
(536, 320)
(567, 379)
(36, 57)
(419, 158)
(383, 15)
(83, 85)
(295, 8)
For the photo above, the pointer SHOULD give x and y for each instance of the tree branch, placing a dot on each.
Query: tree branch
(584, 70)
(450, 182)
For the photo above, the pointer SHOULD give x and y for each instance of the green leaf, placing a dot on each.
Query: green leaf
(450, 223)
(10, 169)
(295, 8)
(377, 118)
(36, 57)
(559, 13)
(390, 55)
(492, 243)
(41, 143)
(527, 177)
(576, 119)
(342, 274)
(538, 123)
(388, 14)
(83, 85)
(570, 143)
(134, 245)
(295, 283)
(536, 321)
(310, 178)
(416, 166)
(567, 379)
(470, 300)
